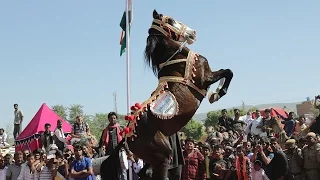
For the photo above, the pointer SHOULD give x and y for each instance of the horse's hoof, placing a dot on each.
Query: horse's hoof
(214, 97)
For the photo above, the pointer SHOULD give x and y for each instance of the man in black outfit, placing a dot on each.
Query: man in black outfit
(278, 167)
(225, 121)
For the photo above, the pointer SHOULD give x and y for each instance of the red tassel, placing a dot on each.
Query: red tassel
(130, 118)
(126, 130)
(133, 108)
(137, 105)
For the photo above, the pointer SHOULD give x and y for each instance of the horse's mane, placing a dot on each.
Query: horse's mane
(155, 46)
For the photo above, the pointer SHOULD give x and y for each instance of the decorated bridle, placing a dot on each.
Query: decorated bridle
(168, 30)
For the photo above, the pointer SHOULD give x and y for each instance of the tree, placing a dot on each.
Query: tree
(61, 110)
(193, 129)
(97, 123)
(74, 111)
(212, 118)
(122, 121)
(9, 132)
(253, 109)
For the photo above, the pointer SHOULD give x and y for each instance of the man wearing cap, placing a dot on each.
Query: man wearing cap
(311, 157)
(295, 160)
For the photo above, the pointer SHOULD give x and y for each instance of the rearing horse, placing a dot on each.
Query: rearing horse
(184, 78)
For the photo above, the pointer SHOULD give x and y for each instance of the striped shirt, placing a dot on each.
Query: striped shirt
(45, 173)
(26, 175)
(13, 171)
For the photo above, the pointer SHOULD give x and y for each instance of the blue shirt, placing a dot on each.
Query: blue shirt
(289, 126)
(80, 165)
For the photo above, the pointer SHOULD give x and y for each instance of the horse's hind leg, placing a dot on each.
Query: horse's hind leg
(225, 76)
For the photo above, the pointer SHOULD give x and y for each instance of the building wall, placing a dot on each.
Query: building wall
(304, 108)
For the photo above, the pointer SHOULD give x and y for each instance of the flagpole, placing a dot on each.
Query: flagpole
(128, 57)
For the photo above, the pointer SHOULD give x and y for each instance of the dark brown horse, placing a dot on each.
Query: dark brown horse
(184, 78)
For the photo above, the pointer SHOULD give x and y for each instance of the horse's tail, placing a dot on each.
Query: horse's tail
(111, 168)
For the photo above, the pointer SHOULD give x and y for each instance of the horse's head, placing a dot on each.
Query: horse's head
(167, 55)
(173, 29)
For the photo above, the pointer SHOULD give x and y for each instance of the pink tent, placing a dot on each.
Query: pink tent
(29, 137)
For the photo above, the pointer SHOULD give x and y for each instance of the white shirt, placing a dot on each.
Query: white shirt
(259, 175)
(3, 138)
(60, 135)
(254, 129)
(134, 168)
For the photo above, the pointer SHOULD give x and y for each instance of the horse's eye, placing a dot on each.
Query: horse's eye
(170, 21)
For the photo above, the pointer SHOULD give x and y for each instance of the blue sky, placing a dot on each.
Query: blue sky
(67, 52)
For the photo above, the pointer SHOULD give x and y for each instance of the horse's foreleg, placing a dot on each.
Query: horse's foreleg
(225, 76)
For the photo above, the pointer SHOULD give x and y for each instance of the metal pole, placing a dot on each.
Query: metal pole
(128, 57)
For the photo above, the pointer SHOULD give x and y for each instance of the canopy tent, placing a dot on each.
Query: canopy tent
(29, 137)
(274, 112)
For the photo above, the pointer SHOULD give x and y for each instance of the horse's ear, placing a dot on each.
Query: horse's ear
(155, 14)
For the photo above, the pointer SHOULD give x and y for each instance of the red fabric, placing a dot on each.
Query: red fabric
(31, 146)
(105, 136)
(36, 126)
(274, 112)
(43, 116)
(194, 167)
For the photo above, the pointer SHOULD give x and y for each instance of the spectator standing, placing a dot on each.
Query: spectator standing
(18, 118)
(47, 137)
(59, 137)
(278, 166)
(311, 157)
(3, 168)
(110, 136)
(14, 169)
(3, 138)
(194, 167)
(28, 172)
(81, 168)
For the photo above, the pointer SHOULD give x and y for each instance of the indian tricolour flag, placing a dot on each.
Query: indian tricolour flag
(123, 27)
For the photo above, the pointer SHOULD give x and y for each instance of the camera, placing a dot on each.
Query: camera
(66, 156)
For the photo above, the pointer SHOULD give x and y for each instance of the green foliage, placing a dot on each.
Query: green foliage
(253, 109)
(9, 132)
(193, 129)
(213, 116)
(61, 110)
(74, 111)
(97, 123)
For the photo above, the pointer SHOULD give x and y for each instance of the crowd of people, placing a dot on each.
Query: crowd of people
(234, 149)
